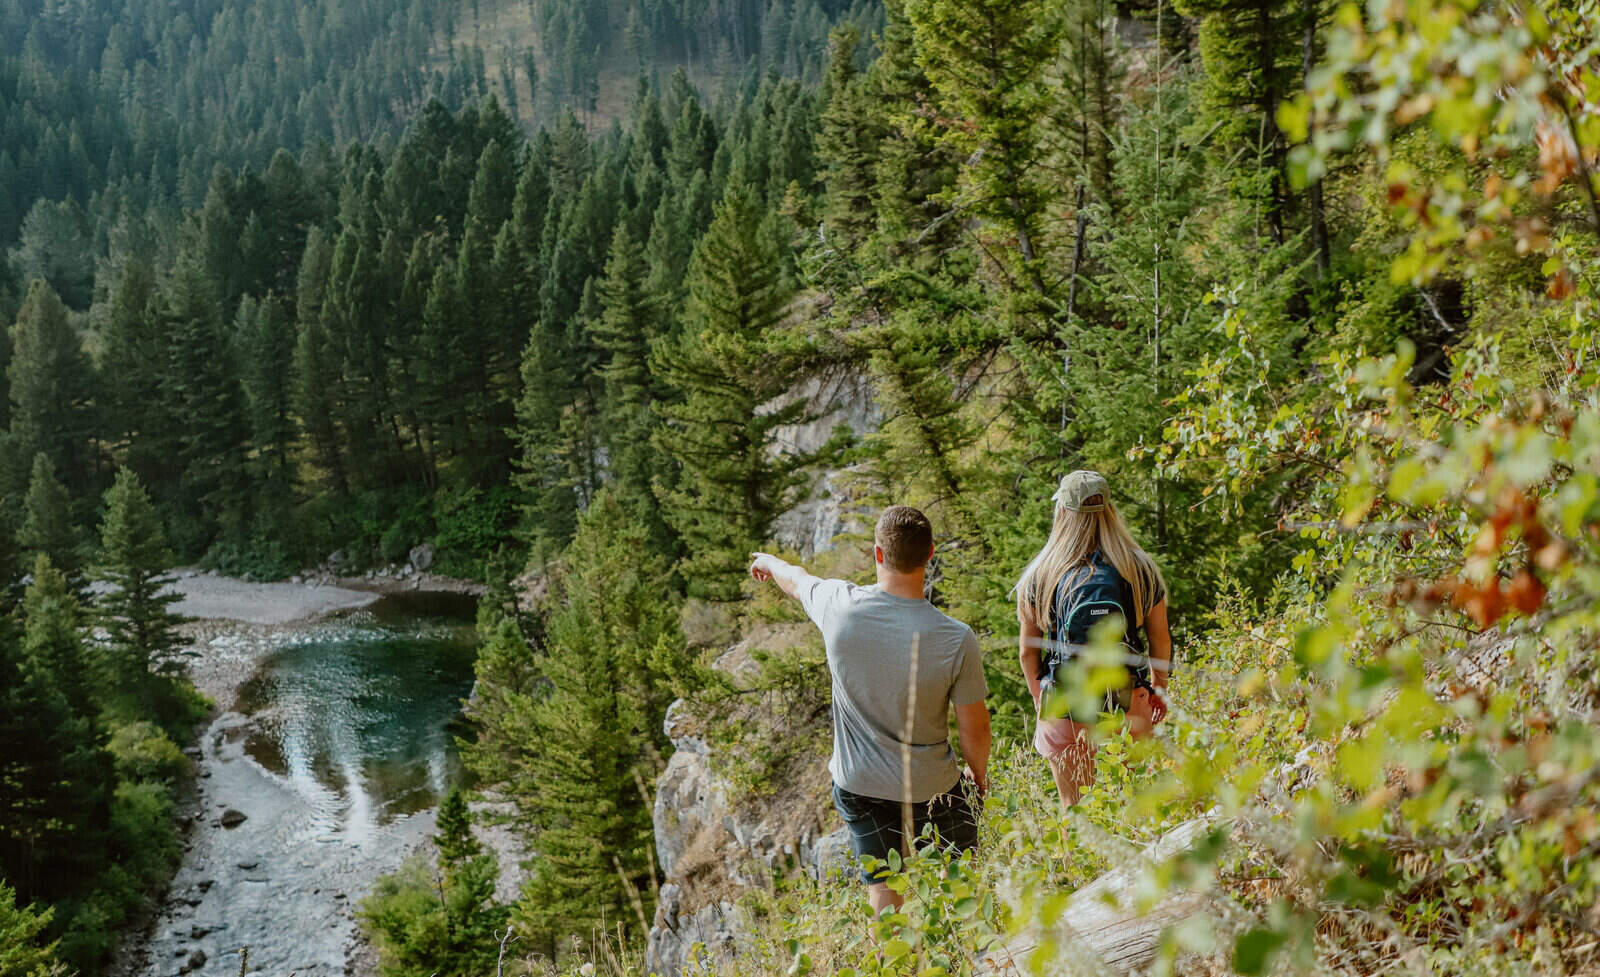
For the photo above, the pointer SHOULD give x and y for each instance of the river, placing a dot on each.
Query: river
(335, 750)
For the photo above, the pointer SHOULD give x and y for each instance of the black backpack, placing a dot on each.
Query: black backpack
(1084, 598)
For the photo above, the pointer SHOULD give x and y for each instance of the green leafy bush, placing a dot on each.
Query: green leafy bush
(472, 524)
(428, 919)
(144, 752)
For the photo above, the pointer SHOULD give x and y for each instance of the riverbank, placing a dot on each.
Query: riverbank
(206, 595)
(278, 850)
(235, 623)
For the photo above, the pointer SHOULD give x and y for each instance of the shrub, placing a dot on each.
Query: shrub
(472, 524)
(143, 752)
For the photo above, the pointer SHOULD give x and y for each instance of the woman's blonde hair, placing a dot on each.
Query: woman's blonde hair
(1074, 538)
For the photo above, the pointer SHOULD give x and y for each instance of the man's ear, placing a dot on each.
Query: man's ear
(877, 554)
(931, 548)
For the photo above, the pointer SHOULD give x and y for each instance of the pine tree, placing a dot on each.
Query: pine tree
(265, 334)
(509, 684)
(847, 147)
(52, 639)
(1085, 118)
(141, 629)
(726, 367)
(55, 811)
(985, 61)
(51, 387)
(1252, 54)
(487, 343)
(24, 949)
(315, 363)
(592, 736)
(47, 525)
(1147, 282)
(629, 323)
(915, 169)
(454, 840)
(202, 383)
(134, 352)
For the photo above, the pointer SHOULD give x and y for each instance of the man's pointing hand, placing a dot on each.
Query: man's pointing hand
(760, 566)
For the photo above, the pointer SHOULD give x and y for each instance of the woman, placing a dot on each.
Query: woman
(1088, 541)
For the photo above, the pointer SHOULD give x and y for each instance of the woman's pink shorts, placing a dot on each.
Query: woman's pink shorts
(1052, 737)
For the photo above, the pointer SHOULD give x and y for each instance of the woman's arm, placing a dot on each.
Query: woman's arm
(1028, 644)
(1160, 635)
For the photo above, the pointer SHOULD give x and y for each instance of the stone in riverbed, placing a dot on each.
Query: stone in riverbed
(232, 818)
(196, 960)
(421, 557)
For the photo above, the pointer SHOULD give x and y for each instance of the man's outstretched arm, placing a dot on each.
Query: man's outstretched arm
(788, 577)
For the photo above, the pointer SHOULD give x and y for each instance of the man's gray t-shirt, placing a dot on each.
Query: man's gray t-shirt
(869, 636)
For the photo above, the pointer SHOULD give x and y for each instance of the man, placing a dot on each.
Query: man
(898, 665)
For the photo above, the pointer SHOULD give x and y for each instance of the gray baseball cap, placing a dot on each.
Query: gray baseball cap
(1080, 485)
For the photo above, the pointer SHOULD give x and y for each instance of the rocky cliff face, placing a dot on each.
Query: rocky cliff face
(714, 848)
(827, 510)
(714, 839)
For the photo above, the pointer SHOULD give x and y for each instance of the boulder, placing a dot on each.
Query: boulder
(830, 853)
(1108, 926)
(674, 936)
(689, 800)
(421, 557)
(196, 960)
(232, 818)
(711, 847)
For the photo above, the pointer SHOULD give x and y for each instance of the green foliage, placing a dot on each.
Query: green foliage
(50, 386)
(471, 525)
(985, 63)
(1011, 227)
(24, 951)
(144, 752)
(47, 525)
(439, 918)
(426, 920)
(454, 840)
(141, 630)
(726, 365)
(593, 737)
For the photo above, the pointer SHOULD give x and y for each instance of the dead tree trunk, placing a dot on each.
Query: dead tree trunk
(1102, 930)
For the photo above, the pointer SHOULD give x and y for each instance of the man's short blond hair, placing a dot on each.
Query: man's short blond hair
(906, 537)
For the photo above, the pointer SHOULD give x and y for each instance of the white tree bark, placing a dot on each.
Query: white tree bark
(1103, 931)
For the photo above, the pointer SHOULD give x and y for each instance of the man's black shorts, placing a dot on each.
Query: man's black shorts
(875, 824)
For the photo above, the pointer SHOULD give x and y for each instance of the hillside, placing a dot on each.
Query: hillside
(1320, 312)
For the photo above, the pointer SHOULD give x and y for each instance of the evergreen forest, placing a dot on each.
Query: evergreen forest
(551, 285)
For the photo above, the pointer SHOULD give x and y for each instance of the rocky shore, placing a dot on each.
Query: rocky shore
(234, 623)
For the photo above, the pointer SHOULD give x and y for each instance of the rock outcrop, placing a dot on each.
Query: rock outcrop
(711, 850)
(845, 401)
(714, 843)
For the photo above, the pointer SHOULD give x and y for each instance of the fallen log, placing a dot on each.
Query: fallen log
(1103, 930)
